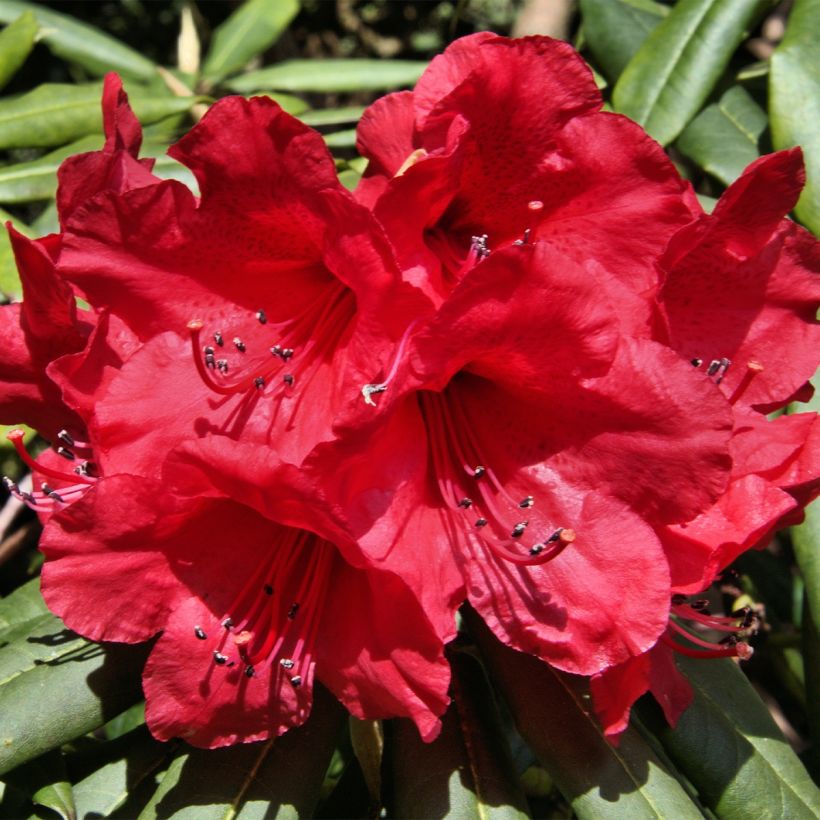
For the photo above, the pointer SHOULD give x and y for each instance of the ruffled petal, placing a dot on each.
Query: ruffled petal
(208, 705)
(255, 240)
(379, 653)
(750, 510)
(114, 168)
(385, 136)
(743, 285)
(107, 542)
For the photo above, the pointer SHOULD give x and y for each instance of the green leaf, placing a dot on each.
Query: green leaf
(290, 104)
(673, 72)
(278, 778)
(9, 278)
(122, 772)
(794, 101)
(730, 748)
(80, 43)
(341, 139)
(21, 606)
(467, 771)
(251, 29)
(553, 713)
(332, 116)
(615, 29)
(54, 114)
(16, 43)
(367, 740)
(57, 686)
(37, 179)
(331, 76)
(46, 784)
(723, 138)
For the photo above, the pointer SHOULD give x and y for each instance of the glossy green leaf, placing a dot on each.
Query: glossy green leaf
(251, 29)
(16, 43)
(732, 751)
(55, 686)
(54, 114)
(615, 29)
(45, 782)
(669, 78)
(23, 605)
(332, 116)
(794, 101)
(331, 76)
(552, 711)
(36, 180)
(341, 139)
(467, 771)
(723, 138)
(278, 778)
(121, 773)
(82, 44)
(9, 278)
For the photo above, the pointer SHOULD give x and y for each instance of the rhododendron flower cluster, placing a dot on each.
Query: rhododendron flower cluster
(518, 366)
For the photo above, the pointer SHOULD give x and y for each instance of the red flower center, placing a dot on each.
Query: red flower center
(275, 617)
(301, 343)
(471, 489)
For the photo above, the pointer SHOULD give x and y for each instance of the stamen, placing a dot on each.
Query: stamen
(66, 438)
(239, 344)
(16, 438)
(479, 472)
(296, 681)
(288, 379)
(478, 246)
(286, 663)
(249, 672)
(200, 633)
(218, 338)
(259, 383)
(65, 453)
(535, 205)
(525, 239)
(219, 658)
(453, 450)
(696, 362)
(261, 317)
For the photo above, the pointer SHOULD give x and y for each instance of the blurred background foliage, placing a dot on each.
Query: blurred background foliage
(717, 82)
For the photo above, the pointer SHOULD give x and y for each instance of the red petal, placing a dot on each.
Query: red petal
(749, 511)
(106, 573)
(743, 284)
(189, 696)
(255, 240)
(115, 167)
(385, 136)
(379, 654)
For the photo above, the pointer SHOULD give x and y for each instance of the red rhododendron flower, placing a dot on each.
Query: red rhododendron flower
(525, 436)
(285, 273)
(505, 139)
(487, 165)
